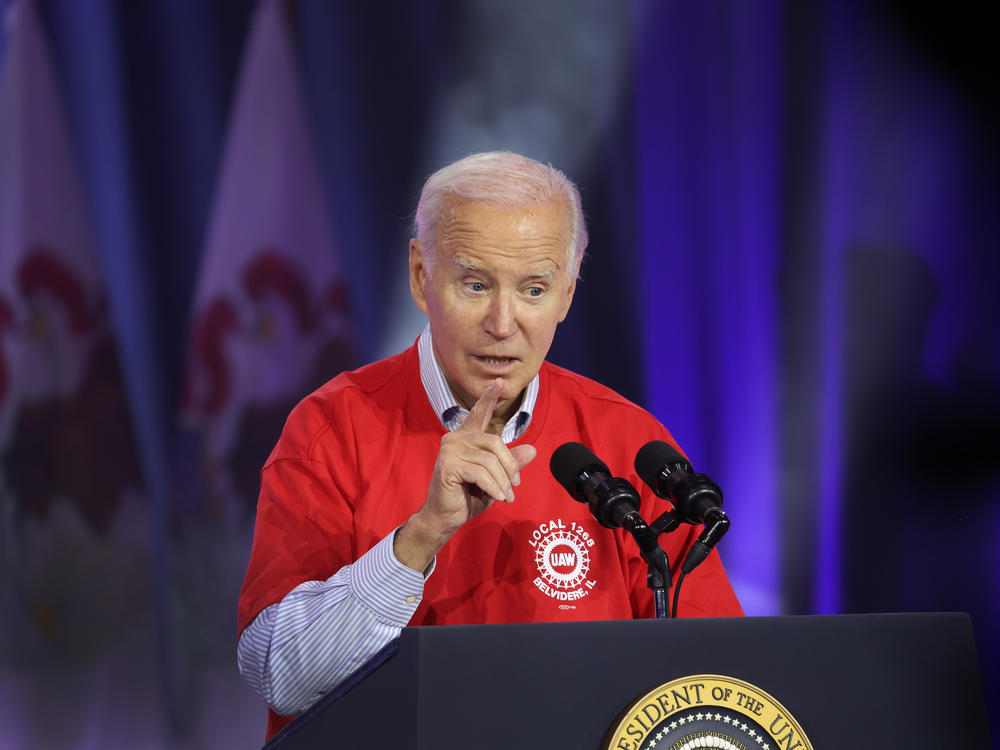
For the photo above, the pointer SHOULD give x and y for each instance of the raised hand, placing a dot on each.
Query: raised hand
(474, 469)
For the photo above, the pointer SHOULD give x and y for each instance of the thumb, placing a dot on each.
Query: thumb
(523, 454)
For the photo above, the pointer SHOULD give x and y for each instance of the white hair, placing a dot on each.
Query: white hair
(502, 178)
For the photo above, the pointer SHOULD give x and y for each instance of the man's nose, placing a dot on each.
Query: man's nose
(500, 319)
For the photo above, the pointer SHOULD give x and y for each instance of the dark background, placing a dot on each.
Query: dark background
(793, 265)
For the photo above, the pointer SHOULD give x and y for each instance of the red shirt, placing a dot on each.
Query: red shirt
(354, 462)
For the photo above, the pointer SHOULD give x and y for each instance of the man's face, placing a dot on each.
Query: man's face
(499, 284)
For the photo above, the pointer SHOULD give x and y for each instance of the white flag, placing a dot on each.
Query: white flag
(269, 320)
(74, 528)
(64, 429)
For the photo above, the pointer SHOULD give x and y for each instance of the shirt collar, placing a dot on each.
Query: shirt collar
(446, 406)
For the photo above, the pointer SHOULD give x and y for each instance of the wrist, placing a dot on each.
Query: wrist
(417, 542)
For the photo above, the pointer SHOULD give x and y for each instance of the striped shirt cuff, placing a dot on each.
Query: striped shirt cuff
(383, 584)
(322, 631)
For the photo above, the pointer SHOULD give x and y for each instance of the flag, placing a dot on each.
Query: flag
(269, 324)
(270, 317)
(74, 526)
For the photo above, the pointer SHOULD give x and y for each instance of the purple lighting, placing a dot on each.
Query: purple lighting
(708, 135)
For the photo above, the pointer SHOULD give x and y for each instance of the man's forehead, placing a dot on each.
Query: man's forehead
(545, 224)
(456, 207)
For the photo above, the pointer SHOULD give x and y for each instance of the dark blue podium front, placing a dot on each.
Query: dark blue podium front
(851, 681)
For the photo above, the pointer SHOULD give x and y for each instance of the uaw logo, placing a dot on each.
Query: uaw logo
(562, 555)
(707, 711)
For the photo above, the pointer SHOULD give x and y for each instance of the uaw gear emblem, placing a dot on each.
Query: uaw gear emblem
(562, 556)
(707, 711)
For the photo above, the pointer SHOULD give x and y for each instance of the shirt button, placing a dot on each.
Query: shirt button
(410, 599)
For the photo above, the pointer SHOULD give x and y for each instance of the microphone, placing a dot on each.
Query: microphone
(614, 503)
(696, 498)
(588, 480)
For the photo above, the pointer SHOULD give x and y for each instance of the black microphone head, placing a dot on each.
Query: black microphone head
(653, 457)
(569, 462)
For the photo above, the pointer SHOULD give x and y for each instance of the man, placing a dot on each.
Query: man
(407, 492)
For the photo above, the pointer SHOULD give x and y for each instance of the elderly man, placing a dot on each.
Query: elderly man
(407, 492)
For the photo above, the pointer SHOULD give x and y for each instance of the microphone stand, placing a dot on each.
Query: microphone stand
(716, 525)
(658, 567)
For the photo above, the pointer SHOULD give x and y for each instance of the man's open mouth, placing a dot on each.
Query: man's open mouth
(496, 363)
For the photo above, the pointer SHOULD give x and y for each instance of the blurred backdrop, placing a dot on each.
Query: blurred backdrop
(204, 214)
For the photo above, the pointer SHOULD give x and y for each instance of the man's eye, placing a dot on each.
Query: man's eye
(477, 286)
(535, 291)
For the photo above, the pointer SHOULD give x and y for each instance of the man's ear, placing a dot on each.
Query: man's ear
(418, 274)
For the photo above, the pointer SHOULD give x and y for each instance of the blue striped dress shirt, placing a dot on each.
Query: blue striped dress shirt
(299, 649)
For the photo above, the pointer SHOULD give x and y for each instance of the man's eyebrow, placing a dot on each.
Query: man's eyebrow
(472, 267)
(467, 265)
(546, 274)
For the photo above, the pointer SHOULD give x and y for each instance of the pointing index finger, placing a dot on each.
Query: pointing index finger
(481, 413)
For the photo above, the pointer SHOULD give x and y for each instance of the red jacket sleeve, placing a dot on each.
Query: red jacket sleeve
(304, 528)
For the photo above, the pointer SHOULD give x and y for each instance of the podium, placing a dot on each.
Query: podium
(850, 681)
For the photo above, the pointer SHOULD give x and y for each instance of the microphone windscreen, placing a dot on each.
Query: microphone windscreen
(569, 461)
(653, 456)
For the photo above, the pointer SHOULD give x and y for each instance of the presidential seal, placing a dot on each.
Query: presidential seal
(707, 711)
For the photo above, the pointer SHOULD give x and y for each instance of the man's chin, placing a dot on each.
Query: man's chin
(471, 388)
(511, 394)
(480, 383)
